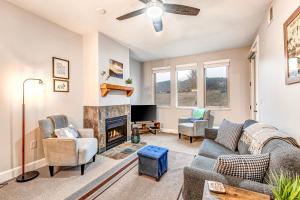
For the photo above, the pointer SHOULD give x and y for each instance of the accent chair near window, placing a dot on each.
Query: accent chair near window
(195, 126)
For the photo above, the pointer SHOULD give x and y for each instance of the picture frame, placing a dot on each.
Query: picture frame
(61, 68)
(60, 85)
(292, 47)
(116, 69)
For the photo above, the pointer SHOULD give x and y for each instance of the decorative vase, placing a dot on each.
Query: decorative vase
(135, 136)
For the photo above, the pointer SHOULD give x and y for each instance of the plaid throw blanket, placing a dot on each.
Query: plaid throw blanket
(258, 134)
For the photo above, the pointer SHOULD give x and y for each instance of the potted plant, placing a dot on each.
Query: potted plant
(128, 81)
(285, 186)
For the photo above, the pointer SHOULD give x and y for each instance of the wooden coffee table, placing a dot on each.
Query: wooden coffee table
(233, 193)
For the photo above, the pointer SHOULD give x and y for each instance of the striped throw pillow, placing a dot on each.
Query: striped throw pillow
(229, 134)
(251, 167)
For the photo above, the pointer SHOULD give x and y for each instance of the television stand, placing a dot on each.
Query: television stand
(148, 127)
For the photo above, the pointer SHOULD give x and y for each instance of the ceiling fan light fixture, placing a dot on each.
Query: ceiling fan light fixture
(154, 10)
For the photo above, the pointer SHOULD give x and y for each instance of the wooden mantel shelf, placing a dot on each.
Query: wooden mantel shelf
(106, 88)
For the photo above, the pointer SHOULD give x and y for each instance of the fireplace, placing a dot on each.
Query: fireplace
(116, 131)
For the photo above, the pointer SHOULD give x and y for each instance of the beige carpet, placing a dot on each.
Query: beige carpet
(134, 187)
(173, 143)
(68, 182)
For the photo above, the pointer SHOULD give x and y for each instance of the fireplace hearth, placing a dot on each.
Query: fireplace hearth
(116, 131)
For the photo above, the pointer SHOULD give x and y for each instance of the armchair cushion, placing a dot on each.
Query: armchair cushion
(211, 149)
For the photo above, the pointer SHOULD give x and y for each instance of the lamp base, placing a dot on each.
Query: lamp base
(28, 176)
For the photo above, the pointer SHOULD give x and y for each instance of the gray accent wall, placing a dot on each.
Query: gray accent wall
(136, 73)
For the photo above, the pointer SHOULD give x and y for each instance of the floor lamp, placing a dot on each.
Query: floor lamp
(26, 176)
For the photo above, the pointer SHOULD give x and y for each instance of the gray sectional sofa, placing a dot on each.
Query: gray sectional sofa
(283, 156)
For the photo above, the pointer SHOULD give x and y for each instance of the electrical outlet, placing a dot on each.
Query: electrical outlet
(33, 144)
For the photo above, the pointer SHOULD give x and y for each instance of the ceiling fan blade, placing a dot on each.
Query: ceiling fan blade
(158, 25)
(132, 14)
(181, 9)
(147, 1)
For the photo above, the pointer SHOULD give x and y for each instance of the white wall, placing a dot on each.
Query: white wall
(136, 73)
(279, 103)
(239, 78)
(27, 45)
(91, 69)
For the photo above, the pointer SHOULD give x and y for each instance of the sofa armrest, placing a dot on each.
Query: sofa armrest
(211, 133)
(61, 151)
(194, 180)
(184, 120)
(86, 132)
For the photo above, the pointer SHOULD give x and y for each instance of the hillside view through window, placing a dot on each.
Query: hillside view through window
(162, 88)
(187, 88)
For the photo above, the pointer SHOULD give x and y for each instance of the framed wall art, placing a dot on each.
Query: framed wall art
(292, 47)
(61, 68)
(60, 85)
(115, 69)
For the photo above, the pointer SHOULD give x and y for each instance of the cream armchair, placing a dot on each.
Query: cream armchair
(67, 151)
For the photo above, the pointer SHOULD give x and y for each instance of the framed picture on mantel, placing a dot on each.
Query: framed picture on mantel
(292, 47)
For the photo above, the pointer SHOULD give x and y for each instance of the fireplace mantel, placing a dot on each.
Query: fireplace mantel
(106, 88)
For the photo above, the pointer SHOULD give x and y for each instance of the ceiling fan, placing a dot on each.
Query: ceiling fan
(155, 9)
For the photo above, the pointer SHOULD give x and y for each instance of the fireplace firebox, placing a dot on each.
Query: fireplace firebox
(116, 131)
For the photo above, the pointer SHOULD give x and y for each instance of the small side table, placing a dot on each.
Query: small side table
(233, 193)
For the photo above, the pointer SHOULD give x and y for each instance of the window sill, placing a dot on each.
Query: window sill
(185, 107)
(218, 108)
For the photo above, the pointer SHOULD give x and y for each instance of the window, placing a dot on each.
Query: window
(216, 85)
(162, 88)
(186, 87)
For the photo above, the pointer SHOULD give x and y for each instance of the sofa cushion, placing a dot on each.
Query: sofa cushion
(211, 149)
(251, 167)
(65, 133)
(283, 157)
(229, 134)
(202, 162)
(87, 148)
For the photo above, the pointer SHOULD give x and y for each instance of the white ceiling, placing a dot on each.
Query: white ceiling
(221, 24)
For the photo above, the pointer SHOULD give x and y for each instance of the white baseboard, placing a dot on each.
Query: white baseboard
(166, 130)
(12, 173)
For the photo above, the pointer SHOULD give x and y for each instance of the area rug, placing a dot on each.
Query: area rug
(123, 150)
(134, 187)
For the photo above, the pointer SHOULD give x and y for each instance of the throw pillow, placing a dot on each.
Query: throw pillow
(65, 133)
(242, 146)
(229, 134)
(75, 131)
(250, 167)
(198, 113)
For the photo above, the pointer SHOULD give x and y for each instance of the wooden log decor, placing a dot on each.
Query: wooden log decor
(106, 88)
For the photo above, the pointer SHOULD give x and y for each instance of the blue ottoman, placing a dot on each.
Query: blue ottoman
(153, 161)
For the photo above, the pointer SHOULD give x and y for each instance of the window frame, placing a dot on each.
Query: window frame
(214, 64)
(190, 66)
(159, 70)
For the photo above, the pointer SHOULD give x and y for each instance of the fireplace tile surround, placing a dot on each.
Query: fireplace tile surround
(95, 117)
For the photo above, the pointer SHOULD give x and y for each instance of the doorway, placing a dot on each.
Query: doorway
(254, 80)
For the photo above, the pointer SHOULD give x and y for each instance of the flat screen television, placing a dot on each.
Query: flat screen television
(141, 113)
